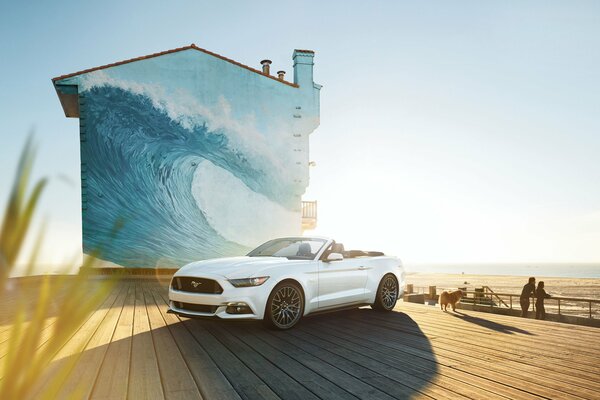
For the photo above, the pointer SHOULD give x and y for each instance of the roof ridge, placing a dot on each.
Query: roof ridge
(190, 47)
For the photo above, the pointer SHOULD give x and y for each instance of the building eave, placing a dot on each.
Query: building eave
(190, 47)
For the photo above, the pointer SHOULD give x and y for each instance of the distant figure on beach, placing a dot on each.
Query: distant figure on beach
(540, 295)
(528, 291)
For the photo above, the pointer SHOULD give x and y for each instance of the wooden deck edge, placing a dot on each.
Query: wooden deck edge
(132, 271)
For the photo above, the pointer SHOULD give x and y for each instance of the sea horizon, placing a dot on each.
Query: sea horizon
(551, 270)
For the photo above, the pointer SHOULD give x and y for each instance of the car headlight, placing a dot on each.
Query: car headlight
(246, 282)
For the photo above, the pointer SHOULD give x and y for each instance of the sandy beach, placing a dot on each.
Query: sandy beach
(565, 287)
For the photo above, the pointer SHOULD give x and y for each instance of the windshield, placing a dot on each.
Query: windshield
(291, 248)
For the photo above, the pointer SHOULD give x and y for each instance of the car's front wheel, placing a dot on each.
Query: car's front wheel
(387, 294)
(285, 306)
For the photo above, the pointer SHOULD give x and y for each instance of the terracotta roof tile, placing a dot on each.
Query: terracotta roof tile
(192, 46)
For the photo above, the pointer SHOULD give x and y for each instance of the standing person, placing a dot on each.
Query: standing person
(540, 295)
(528, 291)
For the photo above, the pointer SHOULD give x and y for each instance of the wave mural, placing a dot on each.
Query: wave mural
(190, 155)
(171, 183)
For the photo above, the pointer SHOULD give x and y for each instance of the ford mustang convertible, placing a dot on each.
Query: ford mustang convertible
(285, 279)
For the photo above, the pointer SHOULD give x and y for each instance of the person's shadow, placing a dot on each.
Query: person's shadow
(486, 323)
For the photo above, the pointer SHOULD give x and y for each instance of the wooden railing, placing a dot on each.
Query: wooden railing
(309, 215)
(489, 290)
(309, 209)
(485, 297)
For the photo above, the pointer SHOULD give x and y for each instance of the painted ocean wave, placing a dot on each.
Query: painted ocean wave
(249, 216)
(267, 147)
(142, 169)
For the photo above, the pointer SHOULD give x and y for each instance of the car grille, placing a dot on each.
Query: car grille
(203, 308)
(196, 285)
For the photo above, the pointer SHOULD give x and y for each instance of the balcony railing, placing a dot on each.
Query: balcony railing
(309, 215)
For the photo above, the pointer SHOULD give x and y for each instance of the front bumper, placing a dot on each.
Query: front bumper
(254, 297)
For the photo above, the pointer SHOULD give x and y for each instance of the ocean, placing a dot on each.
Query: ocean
(558, 270)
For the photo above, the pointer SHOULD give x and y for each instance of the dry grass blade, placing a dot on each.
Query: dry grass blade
(19, 211)
(70, 300)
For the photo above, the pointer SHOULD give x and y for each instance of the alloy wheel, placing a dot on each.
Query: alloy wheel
(389, 292)
(286, 306)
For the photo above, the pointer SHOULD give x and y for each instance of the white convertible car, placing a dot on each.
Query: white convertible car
(285, 279)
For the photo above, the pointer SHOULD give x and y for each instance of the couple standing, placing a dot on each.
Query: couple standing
(540, 294)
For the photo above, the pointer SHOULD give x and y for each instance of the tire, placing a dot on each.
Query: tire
(285, 306)
(387, 294)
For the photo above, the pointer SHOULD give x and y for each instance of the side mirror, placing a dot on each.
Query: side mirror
(334, 257)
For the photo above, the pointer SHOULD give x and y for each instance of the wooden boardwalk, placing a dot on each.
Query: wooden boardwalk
(130, 348)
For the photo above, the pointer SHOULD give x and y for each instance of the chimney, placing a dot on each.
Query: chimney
(280, 75)
(303, 68)
(266, 64)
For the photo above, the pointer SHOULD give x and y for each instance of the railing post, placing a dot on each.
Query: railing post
(590, 303)
(409, 288)
(480, 295)
(510, 301)
(432, 292)
(559, 307)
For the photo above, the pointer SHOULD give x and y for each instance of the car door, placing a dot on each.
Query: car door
(341, 282)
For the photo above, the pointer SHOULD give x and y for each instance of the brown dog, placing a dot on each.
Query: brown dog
(451, 298)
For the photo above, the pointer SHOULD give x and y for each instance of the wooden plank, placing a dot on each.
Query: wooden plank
(70, 352)
(113, 377)
(177, 380)
(211, 382)
(355, 365)
(314, 382)
(350, 377)
(553, 332)
(519, 347)
(243, 379)
(5, 335)
(535, 370)
(581, 330)
(46, 334)
(416, 358)
(23, 292)
(526, 356)
(144, 375)
(279, 381)
(554, 371)
(49, 331)
(408, 347)
(134, 349)
(82, 378)
(426, 381)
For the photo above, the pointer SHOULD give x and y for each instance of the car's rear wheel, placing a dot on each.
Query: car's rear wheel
(387, 294)
(285, 306)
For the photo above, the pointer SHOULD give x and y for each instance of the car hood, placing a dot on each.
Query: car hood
(232, 267)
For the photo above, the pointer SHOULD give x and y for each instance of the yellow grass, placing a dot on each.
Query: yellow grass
(26, 359)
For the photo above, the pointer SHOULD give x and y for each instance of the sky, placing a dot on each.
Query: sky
(451, 132)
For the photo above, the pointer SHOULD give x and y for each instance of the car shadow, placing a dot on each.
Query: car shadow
(355, 353)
